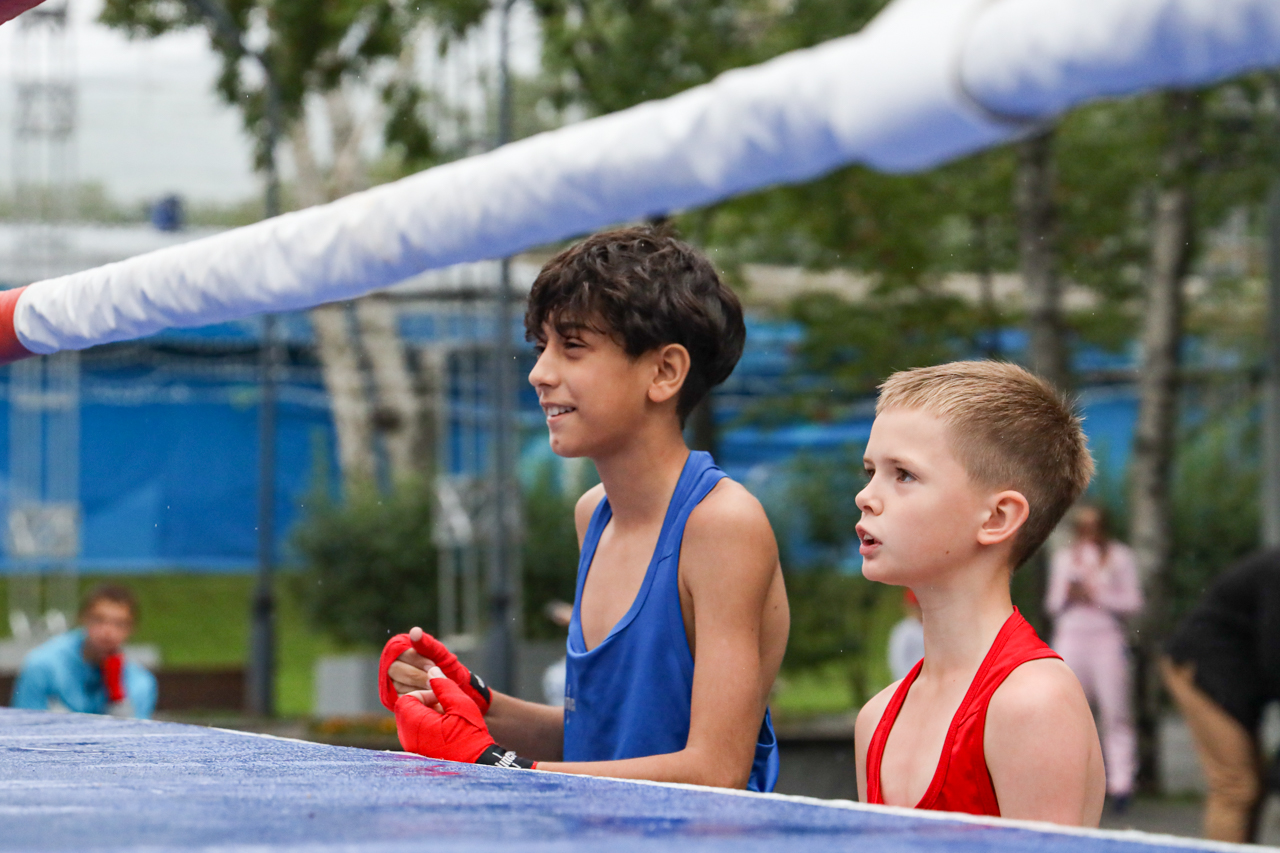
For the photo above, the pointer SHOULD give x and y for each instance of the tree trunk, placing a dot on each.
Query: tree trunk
(1038, 257)
(1155, 434)
(385, 402)
(1042, 295)
(339, 355)
(398, 414)
(349, 174)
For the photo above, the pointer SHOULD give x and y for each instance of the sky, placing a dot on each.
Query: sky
(149, 122)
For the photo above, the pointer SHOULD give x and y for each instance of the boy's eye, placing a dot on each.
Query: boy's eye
(905, 476)
(539, 349)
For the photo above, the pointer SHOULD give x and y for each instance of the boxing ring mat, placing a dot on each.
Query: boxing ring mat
(71, 782)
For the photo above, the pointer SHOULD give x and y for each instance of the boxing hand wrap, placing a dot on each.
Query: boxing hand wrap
(458, 734)
(471, 684)
(396, 646)
(429, 647)
(113, 677)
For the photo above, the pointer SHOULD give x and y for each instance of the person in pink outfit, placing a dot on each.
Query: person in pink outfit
(1093, 588)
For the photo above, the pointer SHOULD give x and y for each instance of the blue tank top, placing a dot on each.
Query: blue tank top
(611, 709)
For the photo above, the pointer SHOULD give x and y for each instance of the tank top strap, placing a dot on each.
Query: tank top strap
(875, 750)
(590, 541)
(699, 477)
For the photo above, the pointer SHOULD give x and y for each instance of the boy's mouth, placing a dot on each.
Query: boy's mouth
(556, 411)
(866, 542)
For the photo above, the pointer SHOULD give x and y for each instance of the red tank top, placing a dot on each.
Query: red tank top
(962, 782)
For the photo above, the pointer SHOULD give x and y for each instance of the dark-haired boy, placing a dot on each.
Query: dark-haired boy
(971, 465)
(85, 670)
(680, 619)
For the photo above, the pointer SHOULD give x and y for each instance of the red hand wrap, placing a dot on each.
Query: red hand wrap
(396, 646)
(471, 684)
(431, 648)
(459, 734)
(113, 677)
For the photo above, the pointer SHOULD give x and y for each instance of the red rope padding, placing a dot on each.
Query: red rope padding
(10, 9)
(11, 349)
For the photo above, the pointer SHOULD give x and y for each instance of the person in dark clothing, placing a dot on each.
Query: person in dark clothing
(1222, 667)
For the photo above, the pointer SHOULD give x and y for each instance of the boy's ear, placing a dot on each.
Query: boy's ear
(671, 366)
(1007, 512)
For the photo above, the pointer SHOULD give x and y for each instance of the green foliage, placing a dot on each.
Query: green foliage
(371, 563)
(607, 55)
(550, 550)
(1215, 500)
(310, 46)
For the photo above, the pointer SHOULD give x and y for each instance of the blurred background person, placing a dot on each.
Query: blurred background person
(85, 670)
(1222, 667)
(1093, 588)
(906, 640)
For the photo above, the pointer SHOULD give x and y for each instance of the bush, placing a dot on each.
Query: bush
(550, 550)
(371, 563)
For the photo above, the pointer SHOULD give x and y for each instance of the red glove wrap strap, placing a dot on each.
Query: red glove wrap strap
(113, 677)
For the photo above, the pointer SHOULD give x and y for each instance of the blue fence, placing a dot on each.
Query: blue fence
(169, 437)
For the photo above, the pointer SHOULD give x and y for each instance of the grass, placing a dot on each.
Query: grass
(202, 620)
(813, 693)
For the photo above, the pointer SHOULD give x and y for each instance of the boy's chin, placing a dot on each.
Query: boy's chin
(882, 571)
(566, 449)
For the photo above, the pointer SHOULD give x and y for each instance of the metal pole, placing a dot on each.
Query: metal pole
(262, 662)
(500, 646)
(1271, 392)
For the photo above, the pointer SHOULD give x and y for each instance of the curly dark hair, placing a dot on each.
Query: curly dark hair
(646, 288)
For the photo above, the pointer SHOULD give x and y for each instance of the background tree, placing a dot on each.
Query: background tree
(315, 52)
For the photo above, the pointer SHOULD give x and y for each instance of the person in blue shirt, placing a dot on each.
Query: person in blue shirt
(680, 619)
(85, 670)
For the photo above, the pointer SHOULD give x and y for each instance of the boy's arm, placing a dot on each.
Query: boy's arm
(140, 690)
(729, 564)
(1042, 747)
(863, 730)
(33, 687)
(534, 730)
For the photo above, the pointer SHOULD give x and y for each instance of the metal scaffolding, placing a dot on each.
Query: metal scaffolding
(43, 531)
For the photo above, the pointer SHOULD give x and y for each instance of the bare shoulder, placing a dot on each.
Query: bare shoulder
(729, 510)
(1037, 692)
(585, 506)
(869, 717)
(1042, 748)
(729, 532)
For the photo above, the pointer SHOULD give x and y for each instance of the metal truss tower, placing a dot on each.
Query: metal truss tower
(43, 530)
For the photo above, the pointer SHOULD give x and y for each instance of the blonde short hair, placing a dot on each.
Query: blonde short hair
(1010, 430)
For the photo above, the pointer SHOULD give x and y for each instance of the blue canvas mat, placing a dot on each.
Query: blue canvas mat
(71, 782)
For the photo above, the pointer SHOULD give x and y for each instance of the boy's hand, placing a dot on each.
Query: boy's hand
(405, 661)
(457, 734)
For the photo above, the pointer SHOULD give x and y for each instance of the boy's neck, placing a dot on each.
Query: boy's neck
(962, 614)
(640, 476)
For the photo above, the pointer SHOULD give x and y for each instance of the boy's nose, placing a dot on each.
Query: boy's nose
(865, 501)
(541, 373)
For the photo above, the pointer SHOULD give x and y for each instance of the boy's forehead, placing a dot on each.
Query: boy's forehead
(909, 430)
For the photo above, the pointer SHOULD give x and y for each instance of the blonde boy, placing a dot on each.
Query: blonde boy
(971, 465)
